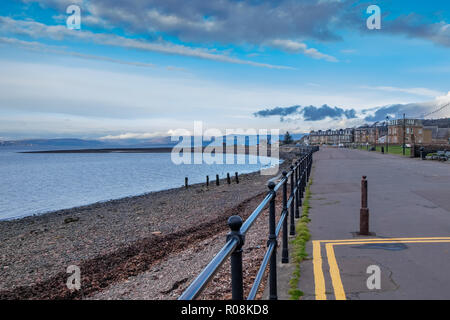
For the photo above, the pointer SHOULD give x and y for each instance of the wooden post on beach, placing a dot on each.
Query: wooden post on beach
(228, 178)
(237, 177)
(207, 181)
(217, 179)
(186, 184)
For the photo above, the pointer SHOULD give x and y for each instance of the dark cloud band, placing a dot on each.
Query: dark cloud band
(308, 113)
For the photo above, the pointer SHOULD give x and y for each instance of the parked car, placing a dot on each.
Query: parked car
(440, 155)
(443, 155)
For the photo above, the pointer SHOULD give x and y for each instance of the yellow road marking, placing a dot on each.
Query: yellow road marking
(339, 292)
(319, 280)
(383, 239)
(336, 280)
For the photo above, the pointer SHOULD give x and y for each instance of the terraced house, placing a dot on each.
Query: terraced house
(331, 136)
(413, 131)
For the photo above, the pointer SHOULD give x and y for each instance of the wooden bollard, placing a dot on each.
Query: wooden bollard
(228, 178)
(217, 179)
(186, 184)
(364, 212)
(237, 177)
(207, 181)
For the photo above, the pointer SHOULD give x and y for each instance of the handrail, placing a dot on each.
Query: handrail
(260, 274)
(299, 176)
(197, 286)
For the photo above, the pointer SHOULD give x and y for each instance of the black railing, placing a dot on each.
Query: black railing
(299, 176)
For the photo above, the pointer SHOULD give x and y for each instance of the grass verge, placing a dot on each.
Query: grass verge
(299, 243)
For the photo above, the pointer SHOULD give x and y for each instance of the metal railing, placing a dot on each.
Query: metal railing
(299, 176)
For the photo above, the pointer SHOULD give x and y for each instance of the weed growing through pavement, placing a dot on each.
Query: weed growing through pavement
(299, 243)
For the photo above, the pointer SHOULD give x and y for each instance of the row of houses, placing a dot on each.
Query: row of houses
(414, 131)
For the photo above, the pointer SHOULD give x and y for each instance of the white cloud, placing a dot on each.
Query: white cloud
(415, 91)
(299, 47)
(131, 135)
(39, 30)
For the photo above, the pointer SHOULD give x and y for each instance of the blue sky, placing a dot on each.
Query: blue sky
(143, 68)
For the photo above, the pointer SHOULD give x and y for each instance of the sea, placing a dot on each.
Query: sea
(37, 183)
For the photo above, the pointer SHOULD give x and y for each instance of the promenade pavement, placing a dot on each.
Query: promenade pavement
(409, 250)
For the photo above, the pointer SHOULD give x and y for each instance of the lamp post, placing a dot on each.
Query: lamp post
(387, 134)
(404, 133)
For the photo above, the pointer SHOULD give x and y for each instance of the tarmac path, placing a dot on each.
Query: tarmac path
(409, 203)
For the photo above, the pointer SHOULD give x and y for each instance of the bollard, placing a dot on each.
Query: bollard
(285, 253)
(292, 228)
(228, 178)
(364, 212)
(217, 180)
(186, 182)
(207, 181)
(272, 239)
(237, 283)
(237, 177)
(382, 149)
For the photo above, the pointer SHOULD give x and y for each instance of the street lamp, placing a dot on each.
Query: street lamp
(387, 134)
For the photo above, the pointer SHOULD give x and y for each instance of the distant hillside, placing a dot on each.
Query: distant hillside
(53, 143)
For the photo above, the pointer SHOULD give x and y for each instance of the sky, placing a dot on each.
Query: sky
(141, 69)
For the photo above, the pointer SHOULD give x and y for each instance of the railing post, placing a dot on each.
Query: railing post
(237, 282)
(285, 252)
(292, 230)
(297, 194)
(310, 164)
(272, 239)
(305, 181)
(301, 176)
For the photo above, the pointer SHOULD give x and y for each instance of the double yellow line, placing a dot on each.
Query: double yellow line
(339, 293)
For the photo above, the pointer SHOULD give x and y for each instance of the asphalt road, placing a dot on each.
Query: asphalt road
(409, 200)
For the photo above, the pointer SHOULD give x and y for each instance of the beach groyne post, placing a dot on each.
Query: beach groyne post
(228, 178)
(292, 224)
(272, 240)
(186, 182)
(207, 181)
(217, 180)
(237, 283)
(237, 177)
(285, 252)
(364, 212)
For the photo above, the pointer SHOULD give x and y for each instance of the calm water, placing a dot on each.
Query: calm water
(38, 183)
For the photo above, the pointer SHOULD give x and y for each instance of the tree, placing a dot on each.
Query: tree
(288, 138)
